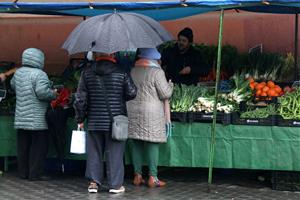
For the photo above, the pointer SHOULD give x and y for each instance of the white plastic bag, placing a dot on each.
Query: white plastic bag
(78, 141)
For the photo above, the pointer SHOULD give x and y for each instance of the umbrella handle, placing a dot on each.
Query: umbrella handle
(169, 127)
(79, 128)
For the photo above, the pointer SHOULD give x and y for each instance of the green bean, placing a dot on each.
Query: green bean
(289, 105)
(260, 113)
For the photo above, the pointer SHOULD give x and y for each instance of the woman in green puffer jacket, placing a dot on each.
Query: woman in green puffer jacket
(33, 94)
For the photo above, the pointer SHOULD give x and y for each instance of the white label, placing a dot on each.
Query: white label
(252, 121)
(208, 116)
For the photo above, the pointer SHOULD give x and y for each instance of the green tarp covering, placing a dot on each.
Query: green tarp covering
(241, 147)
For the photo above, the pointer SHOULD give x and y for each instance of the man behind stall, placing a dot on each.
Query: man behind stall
(183, 64)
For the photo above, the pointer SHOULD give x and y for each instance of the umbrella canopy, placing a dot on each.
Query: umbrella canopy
(115, 32)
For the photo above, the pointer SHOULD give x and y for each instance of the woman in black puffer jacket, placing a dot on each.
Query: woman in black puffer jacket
(90, 104)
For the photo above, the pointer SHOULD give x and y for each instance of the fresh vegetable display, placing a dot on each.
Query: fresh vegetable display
(242, 90)
(264, 66)
(289, 104)
(227, 103)
(260, 113)
(259, 70)
(207, 105)
(265, 89)
(287, 70)
(184, 97)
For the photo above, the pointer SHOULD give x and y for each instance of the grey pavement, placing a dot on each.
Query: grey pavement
(182, 183)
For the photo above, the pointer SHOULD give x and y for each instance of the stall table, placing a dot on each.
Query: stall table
(237, 146)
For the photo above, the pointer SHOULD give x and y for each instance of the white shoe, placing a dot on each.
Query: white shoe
(93, 187)
(117, 191)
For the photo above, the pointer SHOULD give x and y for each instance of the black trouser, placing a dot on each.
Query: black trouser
(32, 151)
(99, 144)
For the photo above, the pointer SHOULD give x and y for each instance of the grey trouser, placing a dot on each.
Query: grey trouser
(98, 144)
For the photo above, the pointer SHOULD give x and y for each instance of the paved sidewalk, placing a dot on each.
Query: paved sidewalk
(182, 184)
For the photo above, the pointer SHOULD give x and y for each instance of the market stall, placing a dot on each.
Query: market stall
(192, 143)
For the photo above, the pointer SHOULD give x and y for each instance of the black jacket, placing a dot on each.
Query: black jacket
(90, 99)
(175, 61)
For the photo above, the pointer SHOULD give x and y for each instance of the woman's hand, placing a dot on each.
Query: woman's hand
(81, 125)
(2, 77)
(185, 71)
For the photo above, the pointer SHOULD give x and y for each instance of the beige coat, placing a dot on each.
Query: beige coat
(146, 112)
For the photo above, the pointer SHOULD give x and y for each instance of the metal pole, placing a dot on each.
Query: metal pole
(297, 72)
(213, 129)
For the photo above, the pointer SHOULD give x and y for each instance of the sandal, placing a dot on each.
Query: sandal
(138, 180)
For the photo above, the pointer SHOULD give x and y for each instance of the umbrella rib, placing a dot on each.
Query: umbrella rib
(127, 30)
(147, 23)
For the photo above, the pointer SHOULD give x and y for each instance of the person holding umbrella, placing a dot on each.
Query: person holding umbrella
(103, 79)
(108, 33)
(147, 118)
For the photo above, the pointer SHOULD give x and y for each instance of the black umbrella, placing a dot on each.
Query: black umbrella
(115, 32)
(57, 123)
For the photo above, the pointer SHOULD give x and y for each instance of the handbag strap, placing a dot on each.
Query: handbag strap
(102, 84)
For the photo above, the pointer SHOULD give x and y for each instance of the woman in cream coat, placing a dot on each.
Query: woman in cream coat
(147, 122)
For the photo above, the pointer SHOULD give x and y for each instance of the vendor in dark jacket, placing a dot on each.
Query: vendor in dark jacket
(183, 64)
(90, 103)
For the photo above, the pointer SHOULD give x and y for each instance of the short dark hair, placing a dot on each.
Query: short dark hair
(188, 33)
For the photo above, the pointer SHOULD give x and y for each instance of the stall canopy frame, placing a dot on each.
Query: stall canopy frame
(166, 10)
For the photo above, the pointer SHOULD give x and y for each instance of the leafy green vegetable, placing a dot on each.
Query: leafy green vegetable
(260, 113)
(184, 97)
(289, 107)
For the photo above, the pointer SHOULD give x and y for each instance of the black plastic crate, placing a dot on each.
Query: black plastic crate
(285, 180)
(269, 121)
(224, 118)
(267, 100)
(190, 117)
(179, 116)
(288, 122)
(283, 84)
